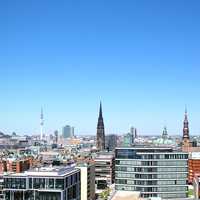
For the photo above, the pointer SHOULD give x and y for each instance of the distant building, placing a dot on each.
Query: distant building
(128, 140)
(15, 165)
(186, 138)
(87, 180)
(187, 144)
(59, 183)
(104, 171)
(111, 142)
(56, 137)
(153, 171)
(100, 140)
(68, 131)
(164, 140)
(72, 131)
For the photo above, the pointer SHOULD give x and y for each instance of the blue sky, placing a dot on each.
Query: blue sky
(140, 57)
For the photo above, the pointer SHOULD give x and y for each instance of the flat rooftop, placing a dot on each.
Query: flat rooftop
(47, 171)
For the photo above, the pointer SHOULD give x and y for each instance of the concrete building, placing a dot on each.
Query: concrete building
(57, 183)
(153, 171)
(87, 180)
(104, 171)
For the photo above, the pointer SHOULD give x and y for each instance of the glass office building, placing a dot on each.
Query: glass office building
(53, 183)
(155, 172)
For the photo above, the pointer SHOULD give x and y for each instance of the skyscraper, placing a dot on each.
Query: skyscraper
(100, 131)
(66, 131)
(72, 131)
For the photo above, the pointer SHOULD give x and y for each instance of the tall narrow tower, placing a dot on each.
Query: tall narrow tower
(186, 138)
(186, 127)
(41, 124)
(100, 131)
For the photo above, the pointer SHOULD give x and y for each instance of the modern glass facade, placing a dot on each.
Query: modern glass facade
(155, 172)
(31, 187)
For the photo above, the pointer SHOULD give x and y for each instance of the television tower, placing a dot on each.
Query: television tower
(41, 124)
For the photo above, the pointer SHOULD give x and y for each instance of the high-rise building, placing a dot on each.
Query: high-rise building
(153, 171)
(87, 180)
(100, 131)
(56, 137)
(111, 142)
(104, 171)
(59, 183)
(72, 131)
(66, 131)
(133, 132)
(128, 140)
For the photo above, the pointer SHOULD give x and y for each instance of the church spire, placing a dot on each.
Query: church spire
(186, 126)
(100, 131)
(100, 111)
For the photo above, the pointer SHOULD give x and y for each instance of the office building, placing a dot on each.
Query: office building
(111, 142)
(104, 171)
(153, 171)
(57, 183)
(87, 180)
(100, 140)
(128, 140)
(68, 131)
(133, 132)
(72, 131)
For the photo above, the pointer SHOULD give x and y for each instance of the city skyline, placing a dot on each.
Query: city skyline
(140, 58)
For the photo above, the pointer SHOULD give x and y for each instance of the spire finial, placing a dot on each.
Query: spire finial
(186, 109)
(100, 110)
(186, 113)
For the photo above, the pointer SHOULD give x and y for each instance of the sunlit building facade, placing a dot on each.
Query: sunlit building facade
(155, 172)
(55, 183)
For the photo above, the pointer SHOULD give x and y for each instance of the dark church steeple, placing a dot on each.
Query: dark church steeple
(100, 131)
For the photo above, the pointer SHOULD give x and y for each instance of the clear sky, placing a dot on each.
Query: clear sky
(140, 57)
